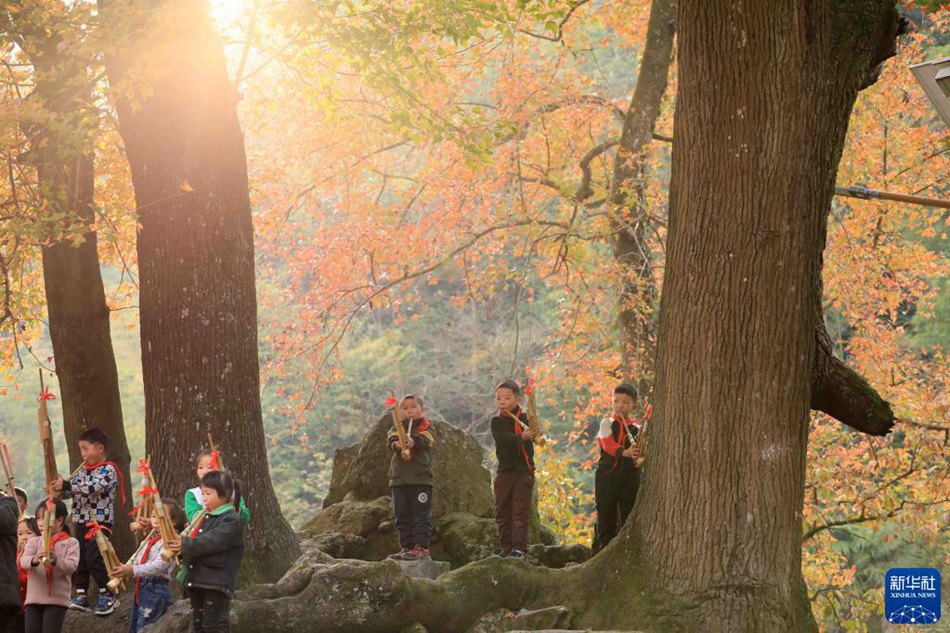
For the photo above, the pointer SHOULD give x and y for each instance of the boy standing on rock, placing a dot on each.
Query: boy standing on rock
(410, 480)
(618, 477)
(514, 483)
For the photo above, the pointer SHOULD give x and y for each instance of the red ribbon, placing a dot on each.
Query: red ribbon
(46, 395)
(61, 536)
(94, 527)
(529, 387)
(141, 470)
(524, 452)
(214, 459)
(390, 402)
(148, 491)
(144, 559)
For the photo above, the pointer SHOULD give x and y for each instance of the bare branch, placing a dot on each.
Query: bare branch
(924, 425)
(557, 37)
(862, 518)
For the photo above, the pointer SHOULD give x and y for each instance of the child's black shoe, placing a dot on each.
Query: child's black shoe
(107, 603)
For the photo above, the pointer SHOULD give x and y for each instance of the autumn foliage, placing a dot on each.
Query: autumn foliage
(429, 185)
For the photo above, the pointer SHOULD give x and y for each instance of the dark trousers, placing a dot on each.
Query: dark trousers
(412, 506)
(90, 562)
(18, 625)
(44, 618)
(8, 619)
(615, 491)
(513, 495)
(210, 611)
(154, 598)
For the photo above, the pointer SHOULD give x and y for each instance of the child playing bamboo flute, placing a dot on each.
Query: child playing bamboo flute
(93, 491)
(514, 483)
(152, 574)
(26, 529)
(618, 478)
(410, 481)
(214, 549)
(48, 586)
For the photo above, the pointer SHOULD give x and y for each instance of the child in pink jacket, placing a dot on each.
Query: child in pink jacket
(48, 587)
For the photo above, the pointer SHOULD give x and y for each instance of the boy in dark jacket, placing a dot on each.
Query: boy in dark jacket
(9, 582)
(618, 478)
(213, 550)
(410, 481)
(514, 483)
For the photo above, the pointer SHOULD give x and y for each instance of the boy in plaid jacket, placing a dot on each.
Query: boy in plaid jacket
(93, 490)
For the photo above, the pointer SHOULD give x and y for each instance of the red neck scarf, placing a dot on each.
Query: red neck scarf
(152, 540)
(513, 414)
(624, 423)
(59, 536)
(117, 471)
(423, 425)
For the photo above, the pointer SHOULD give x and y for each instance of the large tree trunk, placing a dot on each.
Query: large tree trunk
(638, 294)
(765, 93)
(198, 306)
(61, 140)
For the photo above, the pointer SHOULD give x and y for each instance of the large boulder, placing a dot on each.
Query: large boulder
(351, 516)
(462, 483)
(461, 538)
(356, 521)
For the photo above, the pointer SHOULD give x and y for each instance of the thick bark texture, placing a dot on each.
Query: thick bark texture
(61, 141)
(198, 307)
(765, 93)
(638, 293)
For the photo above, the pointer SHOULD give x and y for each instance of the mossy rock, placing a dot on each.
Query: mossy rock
(350, 516)
(461, 538)
(462, 483)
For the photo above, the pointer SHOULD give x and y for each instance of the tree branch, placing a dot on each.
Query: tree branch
(844, 394)
(862, 518)
(924, 425)
(584, 189)
(559, 35)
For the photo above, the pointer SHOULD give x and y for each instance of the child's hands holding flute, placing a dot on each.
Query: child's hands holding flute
(174, 545)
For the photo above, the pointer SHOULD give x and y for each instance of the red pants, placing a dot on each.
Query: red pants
(513, 493)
